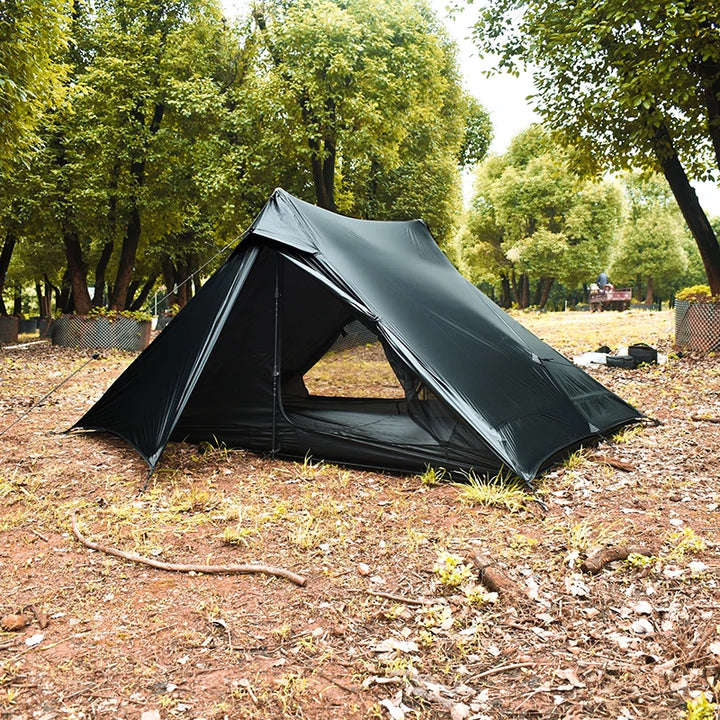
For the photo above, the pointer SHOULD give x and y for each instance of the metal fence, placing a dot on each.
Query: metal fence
(697, 326)
(123, 333)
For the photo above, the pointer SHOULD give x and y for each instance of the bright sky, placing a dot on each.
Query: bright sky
(504, 96)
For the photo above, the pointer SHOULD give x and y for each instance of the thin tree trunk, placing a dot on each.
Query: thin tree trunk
(17, 300)
(49, 289)
(168, 272)
(100, 270)
(5, 256)
(690, 208)
(506, 297)
(142, 297)
(63, 298)
(126, 264)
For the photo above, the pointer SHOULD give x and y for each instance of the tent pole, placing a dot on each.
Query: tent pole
(276, 357)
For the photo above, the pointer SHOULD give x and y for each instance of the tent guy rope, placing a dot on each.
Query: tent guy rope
(94, 356)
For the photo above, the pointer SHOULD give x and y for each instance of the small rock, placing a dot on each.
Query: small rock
(363, 569)
(643, 608)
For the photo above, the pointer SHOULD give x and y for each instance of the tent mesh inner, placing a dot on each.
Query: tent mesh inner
(354, 366)
(353, 335)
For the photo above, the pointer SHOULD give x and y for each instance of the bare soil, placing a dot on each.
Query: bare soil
(394, 621)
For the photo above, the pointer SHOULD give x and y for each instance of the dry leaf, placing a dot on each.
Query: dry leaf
(14, 622)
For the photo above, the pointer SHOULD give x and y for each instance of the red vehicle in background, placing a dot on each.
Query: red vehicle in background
(609, 298)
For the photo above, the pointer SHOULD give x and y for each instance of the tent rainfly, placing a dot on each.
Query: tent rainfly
(481, 392)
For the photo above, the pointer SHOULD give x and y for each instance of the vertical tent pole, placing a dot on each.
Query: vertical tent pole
(276, 356)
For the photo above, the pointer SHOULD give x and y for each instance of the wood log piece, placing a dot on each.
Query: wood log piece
(595, 563)
(493, 578)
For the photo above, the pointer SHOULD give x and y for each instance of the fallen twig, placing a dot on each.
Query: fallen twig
(205, 569)
(501, 668)
(40, 535)
(612, 462)
(705, 418)
(391, 596)
(336, 683)
(595, 563)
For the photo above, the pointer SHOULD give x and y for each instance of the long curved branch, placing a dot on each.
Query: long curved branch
(205, 569)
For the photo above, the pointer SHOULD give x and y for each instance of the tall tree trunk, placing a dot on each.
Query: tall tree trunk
(63, 296)
(131, 241)
(168, 271)
(17, 300)
(46, 308)
(77, 272)
(649, 295)
(142, 297)
(544, 287)
(100, 270)
(323, 170)
(522, 295)
(126, 264)
(506, 292)
(690, 208)
(5, 256)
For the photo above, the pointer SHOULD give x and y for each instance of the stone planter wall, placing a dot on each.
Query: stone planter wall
(8, 330)
(697, 326)
(99, 332)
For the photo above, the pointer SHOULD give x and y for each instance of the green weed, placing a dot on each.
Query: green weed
(502, 491)
(700, 708)
(451, 570)
(432, 476)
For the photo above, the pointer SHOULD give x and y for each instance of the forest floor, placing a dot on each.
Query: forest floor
(393, 621)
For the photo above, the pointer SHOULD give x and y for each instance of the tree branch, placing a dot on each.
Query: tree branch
(205, 569)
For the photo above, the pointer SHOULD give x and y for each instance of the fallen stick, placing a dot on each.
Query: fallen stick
(501, 668)
(705, 418)
(612, 462)
(595, 563)
(493, 578)
(205, 569)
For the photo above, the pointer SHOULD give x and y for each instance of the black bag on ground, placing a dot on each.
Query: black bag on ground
(643, 353)
(622, 361)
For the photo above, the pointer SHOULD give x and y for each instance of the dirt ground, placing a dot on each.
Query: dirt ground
(393, 621)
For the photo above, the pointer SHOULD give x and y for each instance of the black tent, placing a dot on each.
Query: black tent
(480, 391)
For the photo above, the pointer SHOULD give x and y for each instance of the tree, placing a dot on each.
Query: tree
(651, 246)
(152, 77)
(533, 219)
(368, 92)
(32, 34)
(632, 84)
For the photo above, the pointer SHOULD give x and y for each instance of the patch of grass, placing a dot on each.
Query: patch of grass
(502, 491)
(576, 460)
(307, 469)
(685, 542)
(308, 533)
(432, 476)
(627, 434)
